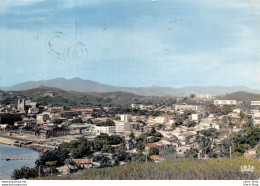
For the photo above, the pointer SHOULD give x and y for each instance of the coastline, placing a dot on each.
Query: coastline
(34, 146)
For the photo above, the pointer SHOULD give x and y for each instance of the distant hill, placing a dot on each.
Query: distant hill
(80, 99)
(80, 85)
(242, 96)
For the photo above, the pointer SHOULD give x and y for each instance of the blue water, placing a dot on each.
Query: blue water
(7, 167)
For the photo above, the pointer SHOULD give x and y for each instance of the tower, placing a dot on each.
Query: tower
(21, 104)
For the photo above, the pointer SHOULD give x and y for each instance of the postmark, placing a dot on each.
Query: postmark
(66, 49)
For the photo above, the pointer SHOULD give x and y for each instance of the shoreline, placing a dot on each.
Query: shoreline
(8, 141)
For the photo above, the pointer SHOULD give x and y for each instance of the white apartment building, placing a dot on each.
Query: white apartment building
(256, 118)
(121, 127)
(255, 102)
(225, 102)
(205, 96)
(103, 129)
(252, 111)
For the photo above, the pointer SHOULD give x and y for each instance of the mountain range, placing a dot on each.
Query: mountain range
(80, 85)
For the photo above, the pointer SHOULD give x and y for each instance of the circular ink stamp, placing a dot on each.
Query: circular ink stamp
(66, 49)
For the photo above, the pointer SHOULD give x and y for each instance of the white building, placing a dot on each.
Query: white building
(103, 129)
(237, 110)
(196, 117)
(256, 118)
(162, 119)
(204, 96)
(255, 102)
(42, 118)
(252, 111)
(121, 127)
(225, 102)
(125, 117)
(186, 107)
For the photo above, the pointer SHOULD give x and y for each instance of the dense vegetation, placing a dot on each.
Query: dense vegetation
(83, 148)
(186, 169)
(9, 118)
(80, 99)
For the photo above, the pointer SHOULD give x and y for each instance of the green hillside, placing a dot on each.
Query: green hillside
(242, 96)
(80, 99)
(186, 169)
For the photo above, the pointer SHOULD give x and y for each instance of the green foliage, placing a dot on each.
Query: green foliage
(211, 133)
(109, 140)
(141, 138)
(178, 122)
(57, 121)
(58, 156)
(153, 139)
(153, 151)
(10, 118)
(182, 169)
(109, 122)
(108, 149)
(192, 153)
(24, 172)
(191, 124)
(89, 121)
(120, 152)
(241, 142)
(77, 120)
(140, 147)
(52, 163)
(226, 109)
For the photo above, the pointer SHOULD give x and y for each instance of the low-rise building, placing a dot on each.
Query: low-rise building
(255, 102)
(225, 102)
(186, 107)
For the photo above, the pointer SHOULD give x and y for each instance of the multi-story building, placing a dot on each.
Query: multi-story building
(196, 117)
(225, 102)
(255, 102)
(25, 105)
(252, 111)
(256, 118)
(121, 127)
(205, 96)
(103, 129)
(125, 117)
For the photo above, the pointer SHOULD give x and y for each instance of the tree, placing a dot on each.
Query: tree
(24, 172)
(109, 140)
(140, 147)
(57, 121)
(153, 151)
(77, 120)
(120, 152)
(192, 153)
(10, 118)
(108, 149)
(192, 96)
(56, 155)
(89, 121)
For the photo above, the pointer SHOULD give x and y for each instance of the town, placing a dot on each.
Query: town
(69, 138)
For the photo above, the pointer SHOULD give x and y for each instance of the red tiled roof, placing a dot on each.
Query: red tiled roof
(153, 145)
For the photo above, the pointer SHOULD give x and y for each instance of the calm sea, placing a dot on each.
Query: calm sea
(7, 167)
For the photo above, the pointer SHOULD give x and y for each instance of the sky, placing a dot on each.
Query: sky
(137, 43)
